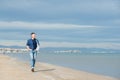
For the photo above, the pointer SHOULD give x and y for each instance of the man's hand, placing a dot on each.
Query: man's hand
(28, 48)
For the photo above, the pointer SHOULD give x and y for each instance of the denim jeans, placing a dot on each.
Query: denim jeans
(33, 55)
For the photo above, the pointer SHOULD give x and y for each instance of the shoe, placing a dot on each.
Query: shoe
(32, 69)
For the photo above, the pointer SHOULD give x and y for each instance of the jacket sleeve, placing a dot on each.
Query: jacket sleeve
(38, 45)
(27, 44)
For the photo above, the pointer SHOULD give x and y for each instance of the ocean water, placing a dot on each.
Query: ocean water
(107, 64)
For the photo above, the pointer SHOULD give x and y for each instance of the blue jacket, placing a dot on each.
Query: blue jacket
(33, 44)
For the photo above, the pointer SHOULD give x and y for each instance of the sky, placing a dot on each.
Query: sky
(61, 23)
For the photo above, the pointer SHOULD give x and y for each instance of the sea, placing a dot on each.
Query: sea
(107, 64)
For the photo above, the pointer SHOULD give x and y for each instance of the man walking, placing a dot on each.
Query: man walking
(33, 46)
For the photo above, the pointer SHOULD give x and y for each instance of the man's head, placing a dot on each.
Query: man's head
(33, 35)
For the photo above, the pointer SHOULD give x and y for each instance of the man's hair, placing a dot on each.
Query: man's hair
(32, 33)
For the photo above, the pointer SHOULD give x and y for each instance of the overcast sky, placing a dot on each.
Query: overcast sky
(67, 21)
(83, 12)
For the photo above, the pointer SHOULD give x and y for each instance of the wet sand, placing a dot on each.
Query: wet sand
(13, 69)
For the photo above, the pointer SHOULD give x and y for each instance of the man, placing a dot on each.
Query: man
(33, 46)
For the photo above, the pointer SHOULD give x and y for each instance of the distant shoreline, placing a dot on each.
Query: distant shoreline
(12, 50)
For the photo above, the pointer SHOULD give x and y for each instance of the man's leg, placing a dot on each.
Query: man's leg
(32, 60)
(33, 55)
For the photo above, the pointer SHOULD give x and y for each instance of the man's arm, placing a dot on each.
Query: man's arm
(28, 48)
(27, 45)
(38, 45)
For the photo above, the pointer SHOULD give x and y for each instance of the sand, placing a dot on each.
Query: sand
(13, 69)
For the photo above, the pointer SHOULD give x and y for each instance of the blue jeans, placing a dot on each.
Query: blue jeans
(33, 55)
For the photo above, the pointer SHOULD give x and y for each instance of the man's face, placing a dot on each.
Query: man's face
(33, 36)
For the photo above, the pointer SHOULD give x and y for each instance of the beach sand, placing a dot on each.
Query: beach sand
(13, 69)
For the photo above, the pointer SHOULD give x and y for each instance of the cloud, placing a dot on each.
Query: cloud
(78, 20)
(62, 5)
(103, 45)
(116, 21)
(74, 11)
(110, 40)
(36, 25)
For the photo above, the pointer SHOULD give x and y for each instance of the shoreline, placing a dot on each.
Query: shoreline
(13, 69)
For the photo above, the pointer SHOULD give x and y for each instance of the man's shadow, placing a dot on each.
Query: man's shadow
(44, 70)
